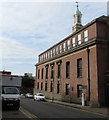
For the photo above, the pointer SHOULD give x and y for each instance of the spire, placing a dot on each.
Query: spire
(77, 11)
(77, 19)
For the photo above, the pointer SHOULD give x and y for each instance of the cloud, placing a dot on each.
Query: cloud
(14, 49)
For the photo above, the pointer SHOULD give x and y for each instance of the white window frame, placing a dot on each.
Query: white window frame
(73, 42)
(64, 46)
(68, 44)
(86, 35)
(51, 53)
(46, 55)
(56, 50)
(79, 39)
(60, 48)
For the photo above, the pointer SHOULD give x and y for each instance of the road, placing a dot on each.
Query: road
(51, 110)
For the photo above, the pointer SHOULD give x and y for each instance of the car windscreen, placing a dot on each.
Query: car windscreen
(10, 90)
(40, 95)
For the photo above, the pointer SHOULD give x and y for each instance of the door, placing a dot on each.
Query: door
(107, 95)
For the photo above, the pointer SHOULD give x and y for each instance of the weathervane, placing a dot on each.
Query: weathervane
(76, 3)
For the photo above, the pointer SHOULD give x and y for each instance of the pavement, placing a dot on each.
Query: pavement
(102, 110)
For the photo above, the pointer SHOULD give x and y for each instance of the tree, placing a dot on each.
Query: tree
(27, 81)
(27, 84)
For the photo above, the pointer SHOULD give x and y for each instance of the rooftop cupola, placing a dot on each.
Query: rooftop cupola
(77, 20)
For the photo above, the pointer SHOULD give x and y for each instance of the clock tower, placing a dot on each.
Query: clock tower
(77, 20)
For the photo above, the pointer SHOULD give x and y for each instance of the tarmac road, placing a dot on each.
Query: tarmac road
(46, 110)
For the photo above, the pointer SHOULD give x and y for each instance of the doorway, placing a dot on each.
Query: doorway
(107, 95)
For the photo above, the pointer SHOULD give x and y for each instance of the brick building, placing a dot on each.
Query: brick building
(77, 64)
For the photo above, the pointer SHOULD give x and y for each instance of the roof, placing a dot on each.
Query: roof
(103, 19)
(78, 11)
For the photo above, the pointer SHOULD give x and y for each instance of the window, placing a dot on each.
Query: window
(67, 69)
(79, 67)
(59, 71)
(46, 73)
(60, 48)
(38, 85)
(51, 86)
(46, 86)
(79, 39)
(53, 51)
(68, 44)
(41, 85)
(52, 74)
(79, 90)
(73, 42)
(67, 89)
(42, 73)
(56, 50)
(86, 35)
(64, 46)
(50, 53)
(58, 87)
(38, 74)
(46, 55)
(79, 19)
(40, 59)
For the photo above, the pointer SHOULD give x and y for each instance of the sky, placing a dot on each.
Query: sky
(29, 28)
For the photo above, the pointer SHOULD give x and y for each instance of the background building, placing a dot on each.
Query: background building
(7, 79)
(77, 64)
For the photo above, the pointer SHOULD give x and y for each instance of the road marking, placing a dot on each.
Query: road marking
(28, 114)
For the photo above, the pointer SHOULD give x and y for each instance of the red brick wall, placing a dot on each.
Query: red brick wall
(74, 81)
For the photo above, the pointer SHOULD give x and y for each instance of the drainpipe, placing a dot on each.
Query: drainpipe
(88, 60)
(53, 88)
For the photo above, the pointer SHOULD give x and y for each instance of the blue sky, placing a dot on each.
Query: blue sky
(29, 28)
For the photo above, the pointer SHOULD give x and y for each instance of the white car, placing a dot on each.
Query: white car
(29, 95)
(39, 97)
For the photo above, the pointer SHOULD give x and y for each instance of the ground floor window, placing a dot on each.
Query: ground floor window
(67, 89)
(41, 85)
(51, 86)
(58, 87)
(38, 85)
(79, 90)
(46, 86)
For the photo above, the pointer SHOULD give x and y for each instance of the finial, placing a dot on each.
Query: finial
(76, 3)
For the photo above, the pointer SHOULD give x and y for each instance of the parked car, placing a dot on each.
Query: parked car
(39, 97)
(29, 95)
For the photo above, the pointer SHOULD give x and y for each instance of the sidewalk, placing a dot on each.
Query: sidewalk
(103, 111)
